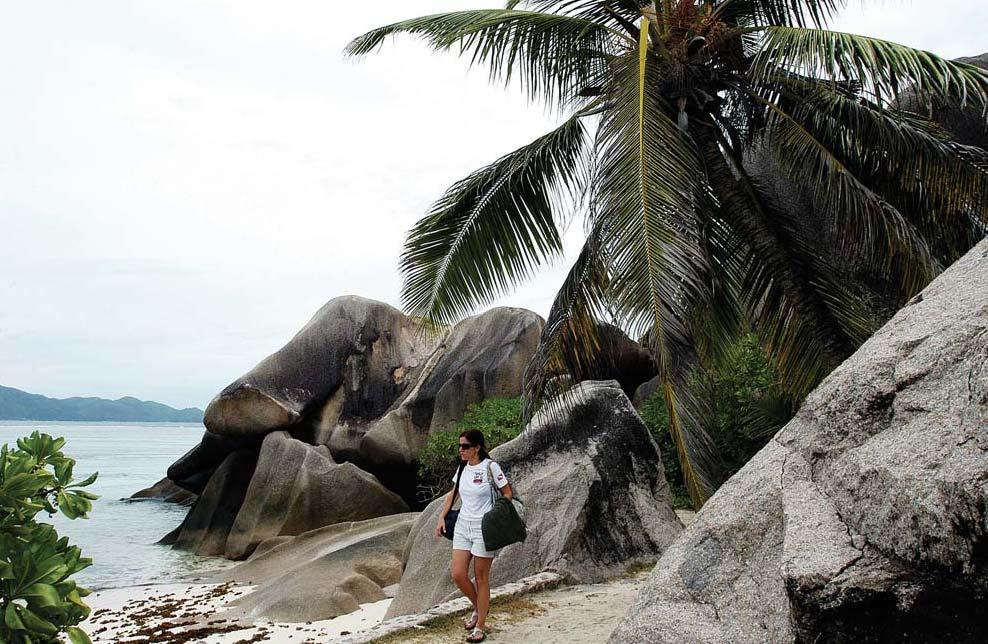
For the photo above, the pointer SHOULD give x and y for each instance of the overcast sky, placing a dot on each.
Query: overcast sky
(182, 184)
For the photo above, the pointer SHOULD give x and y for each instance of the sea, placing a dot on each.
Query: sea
(120, 536)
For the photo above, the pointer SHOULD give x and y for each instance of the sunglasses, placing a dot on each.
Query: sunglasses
(466, 446)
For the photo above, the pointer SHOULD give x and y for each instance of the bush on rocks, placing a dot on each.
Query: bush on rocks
(498, 418)
(747, 406)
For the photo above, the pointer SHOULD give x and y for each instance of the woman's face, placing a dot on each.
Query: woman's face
(467, 449)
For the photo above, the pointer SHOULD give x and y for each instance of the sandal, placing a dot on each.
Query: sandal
(476, 635)
(469, 624)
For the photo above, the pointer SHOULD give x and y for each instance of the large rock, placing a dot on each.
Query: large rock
(193, 469)
(297, 487)
(207, 525)
(865, 518)
(361, 350)
(322, 573)
(596, 495)
(482, 357)
(969, 126)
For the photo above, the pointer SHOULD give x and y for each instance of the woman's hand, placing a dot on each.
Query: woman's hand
(441, 526)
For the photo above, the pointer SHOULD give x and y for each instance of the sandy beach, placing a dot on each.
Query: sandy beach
(179, 613)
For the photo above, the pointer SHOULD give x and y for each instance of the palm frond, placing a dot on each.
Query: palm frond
(798, 13)
(570, 345)
(618, 14)
(648, 185)
(778, 276)
(937, 183)
(493, 228)
(916, 153)
(886, 70)
(553, 56)
(872, 227)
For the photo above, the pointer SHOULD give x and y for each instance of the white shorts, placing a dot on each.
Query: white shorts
(468, 536)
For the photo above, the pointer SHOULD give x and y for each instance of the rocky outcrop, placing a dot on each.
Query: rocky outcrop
(193, 469)
(297, 487)
(341, 412)
(865, 518)
(968, 126)
(165, 491)
(483, 356)
(593, 484)
(206, 527)
(624, 360)
(368, 346)
(322, 573)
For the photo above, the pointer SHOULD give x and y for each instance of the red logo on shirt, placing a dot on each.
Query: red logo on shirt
(478, 478)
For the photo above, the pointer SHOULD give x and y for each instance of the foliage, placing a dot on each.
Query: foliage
(498, 418)
(38, 600)
(668, 104)
(747, 403)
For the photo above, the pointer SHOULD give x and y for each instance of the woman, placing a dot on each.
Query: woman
(473, 485)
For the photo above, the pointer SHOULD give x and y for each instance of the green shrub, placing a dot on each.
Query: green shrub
(38, 600)
(747, 406)
(498, 418)
(656, 418)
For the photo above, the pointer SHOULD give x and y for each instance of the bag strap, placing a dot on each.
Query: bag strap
(456, 487)
(495, 493)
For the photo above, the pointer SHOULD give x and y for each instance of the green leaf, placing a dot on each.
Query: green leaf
(35, 623)
(77, 635)
(67, 506)
(12, 619)
(42, 595)
(87, 481)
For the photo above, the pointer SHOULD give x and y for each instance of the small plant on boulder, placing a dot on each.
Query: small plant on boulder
(38, 600)
(498, 418)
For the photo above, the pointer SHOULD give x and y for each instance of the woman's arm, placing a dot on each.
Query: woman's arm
(506, 491)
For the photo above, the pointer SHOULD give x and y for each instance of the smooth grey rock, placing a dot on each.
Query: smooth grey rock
(165, 491)
(596, 497)
(322, 573)
(204, 530)
(194, 468)
(358, 348)
(644, 392)
(297, 487)
(865, 518)
(482, 357)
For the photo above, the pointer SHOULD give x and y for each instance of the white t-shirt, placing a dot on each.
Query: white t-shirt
(475, 491)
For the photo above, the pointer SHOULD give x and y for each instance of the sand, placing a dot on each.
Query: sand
(580, 614)
(180, 613)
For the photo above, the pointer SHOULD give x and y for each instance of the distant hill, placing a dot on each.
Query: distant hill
(20, 405)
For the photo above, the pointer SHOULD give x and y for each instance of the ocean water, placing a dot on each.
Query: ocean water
(120, 536)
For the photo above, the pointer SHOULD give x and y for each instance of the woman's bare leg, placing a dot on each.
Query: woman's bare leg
(482, 572)
(461, 575)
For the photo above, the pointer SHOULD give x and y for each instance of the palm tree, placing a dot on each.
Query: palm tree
(670, 106)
